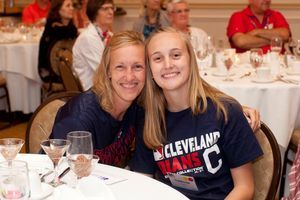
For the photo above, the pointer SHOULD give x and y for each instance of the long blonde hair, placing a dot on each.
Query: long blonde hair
(155, 103)
(102, 86)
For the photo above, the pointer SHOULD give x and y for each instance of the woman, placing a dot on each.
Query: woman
(151, 18)
(59, 26)
(110, 111)
(202, 144)
(89, 46)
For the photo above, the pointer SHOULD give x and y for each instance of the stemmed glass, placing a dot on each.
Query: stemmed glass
(256, 57)
(80, 153)
(276, 45)
(228, 62)
(296, 49)
(55, 149)
(10, 147)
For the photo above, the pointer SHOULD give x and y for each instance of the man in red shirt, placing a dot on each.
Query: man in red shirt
(36, 12)
(255, 26)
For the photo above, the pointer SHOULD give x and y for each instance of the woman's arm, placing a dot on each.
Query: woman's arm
(243, 183)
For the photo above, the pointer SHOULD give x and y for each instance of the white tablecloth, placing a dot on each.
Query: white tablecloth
(19, 65)
(134, 186)
(278, 102)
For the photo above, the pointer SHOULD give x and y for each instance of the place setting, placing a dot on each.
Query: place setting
(70, 177)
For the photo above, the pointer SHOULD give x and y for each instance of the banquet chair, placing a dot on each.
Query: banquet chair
(267, 168)
(68, 76)
(293, 145)
(40, 125)
(61, 47)
(6, 96)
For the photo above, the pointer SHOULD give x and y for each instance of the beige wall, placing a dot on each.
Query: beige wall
(213, 15)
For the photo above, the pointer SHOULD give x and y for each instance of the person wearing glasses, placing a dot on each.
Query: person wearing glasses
(152, 17)
(90, 44)
(178, 12)
(255, 26)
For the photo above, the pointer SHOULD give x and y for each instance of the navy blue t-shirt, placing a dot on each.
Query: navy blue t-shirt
(112, 139)
(203, 147)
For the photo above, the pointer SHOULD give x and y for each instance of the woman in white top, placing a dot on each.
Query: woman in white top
(89, 46)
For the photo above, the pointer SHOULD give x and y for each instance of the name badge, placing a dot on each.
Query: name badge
(182, 181)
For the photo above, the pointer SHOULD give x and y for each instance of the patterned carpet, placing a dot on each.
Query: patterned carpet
(15, 131)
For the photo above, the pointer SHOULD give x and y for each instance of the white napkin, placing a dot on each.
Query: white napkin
(88, 188)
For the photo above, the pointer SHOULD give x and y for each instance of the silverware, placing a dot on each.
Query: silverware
(64, 173)
(246, 74)
(287, 80)
(42, 177)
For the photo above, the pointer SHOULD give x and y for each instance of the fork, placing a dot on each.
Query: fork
(286, 80)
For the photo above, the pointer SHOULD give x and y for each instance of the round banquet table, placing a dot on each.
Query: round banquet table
(19, 66)
(128, 185)
(277, 101)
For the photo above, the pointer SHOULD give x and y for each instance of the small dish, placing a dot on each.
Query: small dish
(222, 74)
(290, 71)
(47, 190)
(255, 79)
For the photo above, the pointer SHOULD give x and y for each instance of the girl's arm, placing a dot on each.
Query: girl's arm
(243, 183)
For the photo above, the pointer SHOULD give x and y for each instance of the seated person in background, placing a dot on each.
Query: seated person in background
(192, 130)
(110, 110)
(151, 18)
(59, 26)
(90, 44)
(81, 19)
(255, 26)
(36, 12)
(178, 11)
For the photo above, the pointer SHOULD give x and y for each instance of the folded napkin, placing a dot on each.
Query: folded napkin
(88, 188)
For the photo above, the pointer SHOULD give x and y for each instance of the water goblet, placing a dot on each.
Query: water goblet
(55, 149)
(296, 49)
(10, 147)
(14, 181)
(80, 153)
(276, 44)
(256, 57)
(228, 62)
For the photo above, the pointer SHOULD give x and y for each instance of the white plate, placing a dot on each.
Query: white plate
(47, 190)
(222, 74)
(257, 80)
(290, 71)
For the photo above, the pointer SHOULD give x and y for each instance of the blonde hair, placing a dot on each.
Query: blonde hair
(155, 103)
(102, 86)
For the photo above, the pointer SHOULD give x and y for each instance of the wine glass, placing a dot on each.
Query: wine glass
(256, 57)
(228, 60)
(55, 149)
(10, 147)
(14, 181)
(201, 54)
(80, 153)
(296, 49)
(276, 44)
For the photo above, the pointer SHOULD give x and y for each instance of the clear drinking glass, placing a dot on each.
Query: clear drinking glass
(296, 49)
(276, 44)
(14, 181)
(10, 147)
(228, 60)
(55, 149)
(80, 153)
(256, 57)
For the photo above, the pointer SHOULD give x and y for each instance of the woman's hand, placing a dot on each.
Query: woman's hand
(253, 117)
